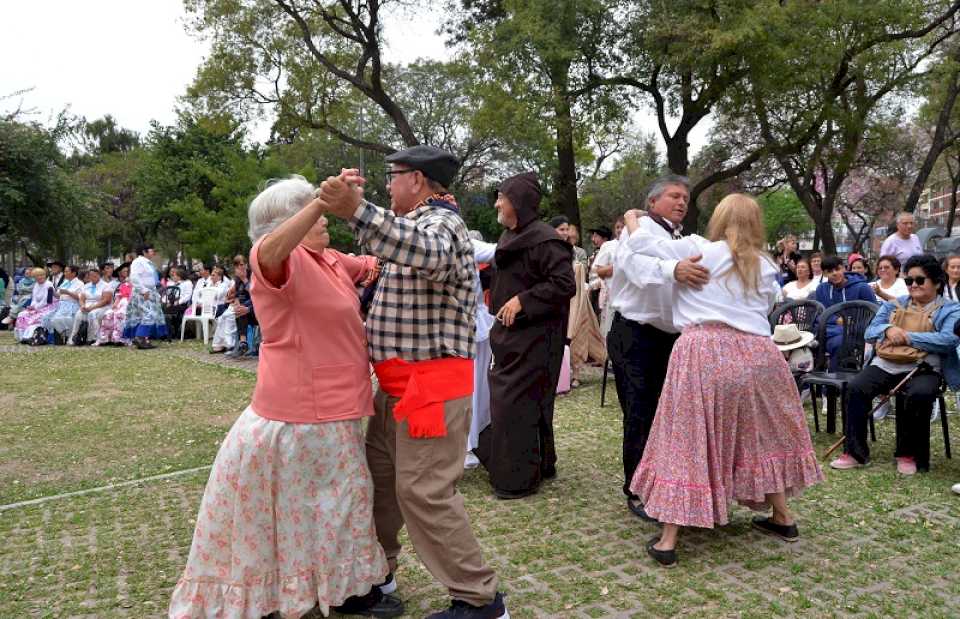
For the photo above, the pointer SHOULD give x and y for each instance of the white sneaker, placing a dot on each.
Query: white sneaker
(956, 488)
(471, 461)
(7, 321)
(882, 412)
(935, 413)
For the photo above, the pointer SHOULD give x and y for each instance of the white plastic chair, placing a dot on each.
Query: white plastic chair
(204, 312)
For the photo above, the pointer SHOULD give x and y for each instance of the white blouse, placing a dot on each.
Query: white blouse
(897, 289)
(143, 275)
(794, 292)
(38, 299)
(723, 300)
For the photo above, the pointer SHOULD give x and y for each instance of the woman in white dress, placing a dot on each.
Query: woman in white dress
(43, 301)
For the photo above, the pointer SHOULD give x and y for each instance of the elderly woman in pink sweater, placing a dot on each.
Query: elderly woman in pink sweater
(286, 521)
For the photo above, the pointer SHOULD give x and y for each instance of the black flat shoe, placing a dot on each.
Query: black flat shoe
(635, 506)
(373, 604)
(666, 558)
(508, 495)
(786, 532)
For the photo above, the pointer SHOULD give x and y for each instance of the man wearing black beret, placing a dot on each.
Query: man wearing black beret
(420, 333)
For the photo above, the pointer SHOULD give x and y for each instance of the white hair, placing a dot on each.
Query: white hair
(903, 214)
(278, 202)
(476, 235)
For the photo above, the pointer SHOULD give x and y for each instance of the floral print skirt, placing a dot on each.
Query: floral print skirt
(286, 523)
(29, 319)
(729, 426)
(144, 317)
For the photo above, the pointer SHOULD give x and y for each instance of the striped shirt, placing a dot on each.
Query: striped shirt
(424, 306)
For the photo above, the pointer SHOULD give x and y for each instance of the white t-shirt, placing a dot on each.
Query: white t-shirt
(91, 293)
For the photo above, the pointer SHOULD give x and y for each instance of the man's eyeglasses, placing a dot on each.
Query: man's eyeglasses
(392, 173)
(918, 280)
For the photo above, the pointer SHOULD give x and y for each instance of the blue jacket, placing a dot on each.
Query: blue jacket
(941, 342)
(856, 289)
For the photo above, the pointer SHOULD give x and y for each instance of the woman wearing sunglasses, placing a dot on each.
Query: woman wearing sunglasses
(927, 345)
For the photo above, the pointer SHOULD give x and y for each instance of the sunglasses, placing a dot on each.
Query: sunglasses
(918, 280)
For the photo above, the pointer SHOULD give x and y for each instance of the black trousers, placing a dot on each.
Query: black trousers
(913, 422)
(639, 355)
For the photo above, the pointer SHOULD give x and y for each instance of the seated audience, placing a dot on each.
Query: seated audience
(107, 277)
(858, 264)
(111, 325)
(59, 323)
(42, 302)
(914, 332)
(839, 288)
(889, 285)
(22, 293)
(804, 285)
(174, 311)
(95, 297)
(225, 333)
(952, 289)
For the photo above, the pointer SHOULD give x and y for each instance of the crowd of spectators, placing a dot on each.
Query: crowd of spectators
(72, 305)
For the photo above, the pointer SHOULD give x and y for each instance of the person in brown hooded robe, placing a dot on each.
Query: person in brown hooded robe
(530, 296)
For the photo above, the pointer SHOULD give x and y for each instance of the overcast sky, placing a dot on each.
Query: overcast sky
(133, 58)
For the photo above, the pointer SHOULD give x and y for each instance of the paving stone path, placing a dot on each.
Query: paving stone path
(873, 544)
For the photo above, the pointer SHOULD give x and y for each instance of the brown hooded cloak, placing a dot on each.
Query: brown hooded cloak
(535, 265)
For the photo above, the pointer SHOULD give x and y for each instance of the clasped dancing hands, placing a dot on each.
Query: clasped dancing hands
(341, 195)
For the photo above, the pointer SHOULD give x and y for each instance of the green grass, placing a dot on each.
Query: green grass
(874, 544)
(72, 419)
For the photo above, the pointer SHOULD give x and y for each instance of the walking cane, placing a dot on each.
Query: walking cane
(883, 401)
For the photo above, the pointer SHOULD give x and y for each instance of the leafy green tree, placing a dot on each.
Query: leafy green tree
(783, 214)
(822, 80)
(40, 205)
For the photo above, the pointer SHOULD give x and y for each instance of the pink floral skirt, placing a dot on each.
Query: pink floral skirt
(286, 523)
(729, 426)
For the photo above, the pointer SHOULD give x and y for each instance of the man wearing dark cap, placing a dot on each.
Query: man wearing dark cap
(420, 333)
(530, 296)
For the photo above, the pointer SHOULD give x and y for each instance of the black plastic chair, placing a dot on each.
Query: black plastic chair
(804, 314)
(856, 317)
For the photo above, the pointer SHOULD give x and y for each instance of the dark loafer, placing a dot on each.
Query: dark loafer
(636, 507)
(786, 532)
(666, 558)
(373, 604)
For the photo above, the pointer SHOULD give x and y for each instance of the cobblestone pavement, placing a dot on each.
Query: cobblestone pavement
(873, 544)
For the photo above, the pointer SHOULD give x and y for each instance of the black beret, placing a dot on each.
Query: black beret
(435, 163)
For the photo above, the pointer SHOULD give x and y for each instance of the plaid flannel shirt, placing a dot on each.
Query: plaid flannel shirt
(424, 306)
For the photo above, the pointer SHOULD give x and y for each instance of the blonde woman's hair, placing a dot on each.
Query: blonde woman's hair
(737, 221)
(38, 271)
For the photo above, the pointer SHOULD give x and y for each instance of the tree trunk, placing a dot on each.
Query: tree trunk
(565, 182)
(678, 161)
(953, 205)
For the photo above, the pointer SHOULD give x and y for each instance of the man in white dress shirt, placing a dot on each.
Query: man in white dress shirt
(642, 334)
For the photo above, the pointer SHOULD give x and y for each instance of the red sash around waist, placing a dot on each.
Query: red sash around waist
(423, 387)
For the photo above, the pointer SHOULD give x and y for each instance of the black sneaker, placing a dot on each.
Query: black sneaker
(786, 532)
(666, 558)
(374, 604)
(461, 610)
